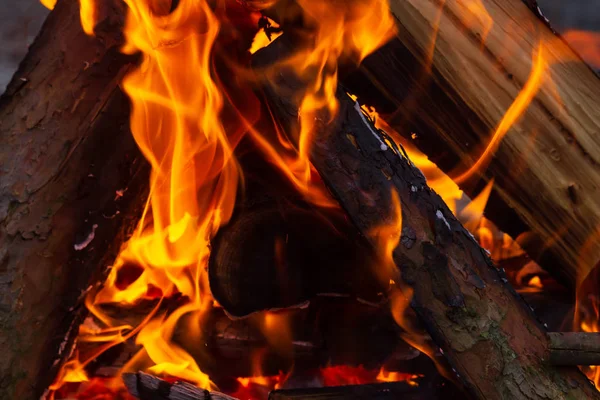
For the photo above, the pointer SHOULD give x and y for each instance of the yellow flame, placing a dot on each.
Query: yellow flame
(262, 40)
(535, 282)
(472, 214)
(515, 111)
(49, 4)
(88, 15)
(175, 120)
(392, 376)
(353, 28)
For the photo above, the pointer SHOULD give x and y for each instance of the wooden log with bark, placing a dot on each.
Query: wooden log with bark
(486, 332)
(70, 188)
(449, 77)
(574, 348)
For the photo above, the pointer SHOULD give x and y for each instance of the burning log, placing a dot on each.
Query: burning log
(148, 387)
(70, 170)
(486, 332)
(447, 81)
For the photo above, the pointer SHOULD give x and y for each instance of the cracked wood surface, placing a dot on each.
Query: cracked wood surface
(485, 330)
(66, 148)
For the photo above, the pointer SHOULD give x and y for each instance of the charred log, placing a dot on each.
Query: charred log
(279, 257)
(486, 332)
(72, 180)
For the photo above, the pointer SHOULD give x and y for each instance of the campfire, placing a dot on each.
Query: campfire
(291, 199)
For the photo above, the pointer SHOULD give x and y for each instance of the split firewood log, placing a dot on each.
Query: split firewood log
(71, 186)
(445, 83)
(484, 329)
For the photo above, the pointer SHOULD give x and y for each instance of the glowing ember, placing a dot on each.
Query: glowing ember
(535, 282)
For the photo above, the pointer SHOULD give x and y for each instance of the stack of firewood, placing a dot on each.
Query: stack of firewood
(73, 184)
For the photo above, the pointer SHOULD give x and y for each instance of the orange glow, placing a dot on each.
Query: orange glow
(276, 328)
(387, 237)
(477, 18)
(514, 112)
(472, 214)
(391, 376)
(72, 371)
(535, 282)
(587, 44)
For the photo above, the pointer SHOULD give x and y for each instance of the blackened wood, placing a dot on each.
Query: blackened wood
(486, 332)
(148, 387)
(66, 157)
(574, 348)
(276, 256)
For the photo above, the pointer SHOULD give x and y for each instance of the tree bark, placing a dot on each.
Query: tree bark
(546, 169)
(486, 332)
(66, 151)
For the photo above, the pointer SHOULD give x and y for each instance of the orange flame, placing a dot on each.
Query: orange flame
(392, 376)
(49, 4)
(514, 112)
(87, 13)
(176, 106)
(354, 28)
(88, 16)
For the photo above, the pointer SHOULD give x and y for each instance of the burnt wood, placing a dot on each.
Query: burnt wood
(484, 329)
(66, 151)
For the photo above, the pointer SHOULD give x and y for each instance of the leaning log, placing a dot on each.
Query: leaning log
(451, 75)
(486, 332)
(70, 169)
